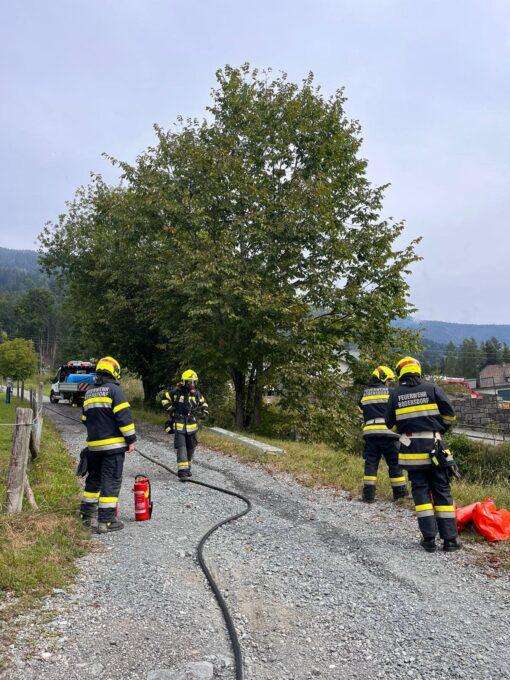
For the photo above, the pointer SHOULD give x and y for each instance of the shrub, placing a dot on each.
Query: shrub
(480, 462)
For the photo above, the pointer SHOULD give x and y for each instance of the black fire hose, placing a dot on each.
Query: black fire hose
(232, 633)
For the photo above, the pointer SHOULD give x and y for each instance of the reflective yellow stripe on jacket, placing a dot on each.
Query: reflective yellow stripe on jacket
(419, 410)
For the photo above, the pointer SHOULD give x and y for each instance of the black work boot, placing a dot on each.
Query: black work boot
(107, 527)
(428, 544)
(368, 493)
(88, 517)
(183, 474)
(400, 492)
(451, 544)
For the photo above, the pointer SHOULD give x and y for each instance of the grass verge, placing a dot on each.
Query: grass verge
(38, 548)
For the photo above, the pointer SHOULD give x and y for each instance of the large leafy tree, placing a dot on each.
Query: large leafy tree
(249, 245)
(274, 235)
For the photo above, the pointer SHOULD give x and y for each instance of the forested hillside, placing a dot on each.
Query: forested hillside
(29, 308)
(19, 259)
(19, 271)
(443, 332)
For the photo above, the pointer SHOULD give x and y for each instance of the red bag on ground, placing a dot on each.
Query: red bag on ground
(464, 516)
(491, 523)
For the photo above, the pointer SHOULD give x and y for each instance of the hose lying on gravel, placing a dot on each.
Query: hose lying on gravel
(232, 633)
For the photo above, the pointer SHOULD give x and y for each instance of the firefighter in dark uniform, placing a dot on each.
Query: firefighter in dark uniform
(379, 440)
(185, 405)
(421, 413)
(110, 433)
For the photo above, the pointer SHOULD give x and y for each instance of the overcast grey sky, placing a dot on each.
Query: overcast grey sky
(429, 81)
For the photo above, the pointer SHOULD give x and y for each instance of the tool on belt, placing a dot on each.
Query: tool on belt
(442, 458)
(142, 495)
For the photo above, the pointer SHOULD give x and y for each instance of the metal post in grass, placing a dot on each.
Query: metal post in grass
(35, 437)
(39, 414)
(17, 475)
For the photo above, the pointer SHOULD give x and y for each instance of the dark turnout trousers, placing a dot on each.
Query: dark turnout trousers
(433, 501)
(377, 447)
(102, 484)
(185, 444)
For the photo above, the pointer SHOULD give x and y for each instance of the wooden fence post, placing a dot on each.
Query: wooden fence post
(19, 457)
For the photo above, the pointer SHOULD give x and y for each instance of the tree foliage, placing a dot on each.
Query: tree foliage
(18, 359)
(250, 245)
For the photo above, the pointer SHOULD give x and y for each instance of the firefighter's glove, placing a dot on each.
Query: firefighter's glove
(169, 426)
(83, 463)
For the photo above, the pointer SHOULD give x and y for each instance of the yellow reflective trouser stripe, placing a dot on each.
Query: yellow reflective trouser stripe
(449, 419)
(120, 407)
(182, 465)
(127, 429)
(377, 426)
(91, 494)
(397, 480)
(370, 477)
(444, 508)
(413, 456)
(423, 506)
(104, 442)
(108, 501)
(98, 400)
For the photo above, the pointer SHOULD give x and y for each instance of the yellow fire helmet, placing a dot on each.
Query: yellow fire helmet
(384, 373)
(408, 365)
(109, 365)
(189, 375)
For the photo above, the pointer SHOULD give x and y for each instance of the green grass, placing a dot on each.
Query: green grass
(38, 548)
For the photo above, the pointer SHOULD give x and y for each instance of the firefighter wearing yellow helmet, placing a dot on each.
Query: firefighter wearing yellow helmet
(420, 412)
(185, 405)
(379, 440)
(110, 433)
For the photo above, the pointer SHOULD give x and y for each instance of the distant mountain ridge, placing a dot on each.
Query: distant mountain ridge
(19, 259)
(444, 332)
(19, 271)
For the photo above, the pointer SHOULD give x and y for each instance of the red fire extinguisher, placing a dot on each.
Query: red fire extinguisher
(143, 503)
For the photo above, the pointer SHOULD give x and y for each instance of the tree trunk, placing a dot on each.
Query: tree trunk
(257, 406)
(253, 397)
(240, 390)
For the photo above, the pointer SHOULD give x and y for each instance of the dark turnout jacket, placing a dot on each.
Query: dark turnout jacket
(373, 406)
(185, 407)
(107, 417)
(418, 411)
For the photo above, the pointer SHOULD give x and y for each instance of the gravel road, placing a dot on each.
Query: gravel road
(319, 586)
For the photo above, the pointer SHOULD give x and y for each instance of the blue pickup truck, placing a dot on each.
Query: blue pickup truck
(71, 382)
